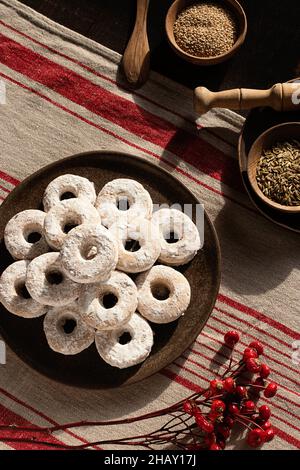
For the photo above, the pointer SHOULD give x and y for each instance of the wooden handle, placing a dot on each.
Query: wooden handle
(136, 59)
(281, 97)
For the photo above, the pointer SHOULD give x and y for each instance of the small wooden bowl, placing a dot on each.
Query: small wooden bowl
(231, 5)
(280, 133)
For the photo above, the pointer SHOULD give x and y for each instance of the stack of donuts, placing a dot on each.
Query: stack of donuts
(100, 268)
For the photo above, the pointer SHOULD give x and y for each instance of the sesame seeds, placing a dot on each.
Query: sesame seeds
(205, 29)
(278, 173)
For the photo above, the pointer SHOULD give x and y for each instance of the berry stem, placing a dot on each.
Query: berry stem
(194, 422)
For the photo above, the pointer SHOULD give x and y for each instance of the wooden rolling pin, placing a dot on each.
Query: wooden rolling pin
(136, 59)
(281, 97)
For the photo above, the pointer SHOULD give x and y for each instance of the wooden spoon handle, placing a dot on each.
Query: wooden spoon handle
(136, 59)
(281, 97)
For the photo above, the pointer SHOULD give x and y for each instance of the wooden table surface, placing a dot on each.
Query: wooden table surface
(270, 54)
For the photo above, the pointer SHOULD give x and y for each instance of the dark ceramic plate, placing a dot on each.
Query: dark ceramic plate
(258, 121)
(26, 337)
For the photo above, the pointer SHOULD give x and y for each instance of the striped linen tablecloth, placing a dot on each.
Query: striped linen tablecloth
(62, 98)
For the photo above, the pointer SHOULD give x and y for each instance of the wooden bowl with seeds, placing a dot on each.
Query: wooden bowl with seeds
(206, 32)
(274, 167)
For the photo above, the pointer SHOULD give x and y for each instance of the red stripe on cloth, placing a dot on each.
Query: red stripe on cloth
(181, 380)
(287, 437)
(260, 316)
(39, 413)
(10, 179)
(9, 418)
(197, 374)
(278, 373)
(198, 342)
(215, 361)
(4, 189)
(191, 386)
(263, 342)
(269, 346)
(281, 385)
(131, 144)
(209, 370)
(241, 320)
(114, 82)
(103, 103)
(226, 357)
(215, 351)
(192, 372)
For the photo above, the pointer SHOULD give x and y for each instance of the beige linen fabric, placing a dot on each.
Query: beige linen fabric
(62, 98)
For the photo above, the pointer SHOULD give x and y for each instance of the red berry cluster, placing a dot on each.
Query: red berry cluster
(232, 399)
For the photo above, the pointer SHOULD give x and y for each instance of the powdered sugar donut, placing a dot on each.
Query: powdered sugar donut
(23, 235)
(14, 295)
(163, 294)
(123, 198)
(138, 244)
(65, 330)
(112, 349)
(66, 187)
(66, 215)
(110, 304)
(47, 283)
(89, 254)
(186, 239)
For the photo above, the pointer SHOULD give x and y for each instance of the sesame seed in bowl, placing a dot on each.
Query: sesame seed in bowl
(206, 32)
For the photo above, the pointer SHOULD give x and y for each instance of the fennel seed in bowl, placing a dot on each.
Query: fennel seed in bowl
(278, 173)
(206, 29)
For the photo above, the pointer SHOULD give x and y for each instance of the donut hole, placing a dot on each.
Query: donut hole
(54, 277)
(69, 224)
(172, 237)
(67, 325)
(125, 338)
(89, 251)
(33, 237)
(22, 291)
(123, 203)
(108, 300)
(132, 245)
(67, 195)
(160, 291)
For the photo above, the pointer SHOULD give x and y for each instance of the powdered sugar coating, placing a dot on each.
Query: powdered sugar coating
(72, 212)
(11, 282)
(146, 234)
(77, 185)
(42, 290)
(130, 354)
(119, 191)
(91, 302)
(19, 228)
(188, 243)
(159, 279)
(70, 343)
(84, 240)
